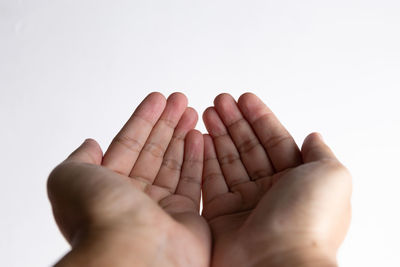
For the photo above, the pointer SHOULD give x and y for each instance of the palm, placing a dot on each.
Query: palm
(151, 170)
(261, 205)
(254, 179)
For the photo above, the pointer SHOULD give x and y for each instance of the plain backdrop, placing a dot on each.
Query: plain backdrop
(72, 69)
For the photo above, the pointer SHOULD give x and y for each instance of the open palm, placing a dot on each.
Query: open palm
(263, 196)
(149, 178)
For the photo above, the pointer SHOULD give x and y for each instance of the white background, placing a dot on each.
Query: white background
(73, 69)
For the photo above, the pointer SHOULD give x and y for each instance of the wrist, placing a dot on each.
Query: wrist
(138, 247)
(301, 251)
(299, 258)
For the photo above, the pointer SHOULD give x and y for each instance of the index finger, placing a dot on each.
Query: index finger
(281, 148)
(127, 144)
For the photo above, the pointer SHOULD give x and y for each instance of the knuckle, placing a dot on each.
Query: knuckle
(191, 179)
(156, 149)
(229, 158)
(213, 176)
(259, 174)
(211, 159)
(144, 181)
(178, 137)
(276, 140)
(129, 142)
(237, 124)
(247, 145)
(235, 182)
(168, 122)
(146, 121)
(172, 164)
(265, 117)
(193, 163)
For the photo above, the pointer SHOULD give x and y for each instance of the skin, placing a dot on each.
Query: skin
(268, 203)
(138, 205)
(265, 201)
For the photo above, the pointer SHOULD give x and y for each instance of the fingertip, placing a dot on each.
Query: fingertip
(207, 112)
(319, 135)
(213, 122)
(187, 122)
(252, 107)
(192, 113)
(312, 138)
(195, 137)
(247, 103)
(92, 145)
(178, 97)
(156, 94)
(314, 148)
(221, 98)
(246, 98)
(89, 140)
(174, 110)
(180, 94)
(88, 152)
(156, 97)
(227, 109)
(151, 107)
(207, 116)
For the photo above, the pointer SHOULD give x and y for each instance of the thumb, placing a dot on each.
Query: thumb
(315, 149)
(88, 152)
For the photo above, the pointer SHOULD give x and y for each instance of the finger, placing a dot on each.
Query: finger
(151, 156)
(227, 154)
(127, 144)
(170, 170)
(88, 152)
(314, 149)
(214, 183)
(279, 144)
(252, 153)
(192, 169)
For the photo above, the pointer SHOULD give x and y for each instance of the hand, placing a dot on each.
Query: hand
(267, 202)
(139, 204)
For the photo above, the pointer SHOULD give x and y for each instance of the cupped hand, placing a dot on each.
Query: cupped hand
(139, 204)
(269, 203)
